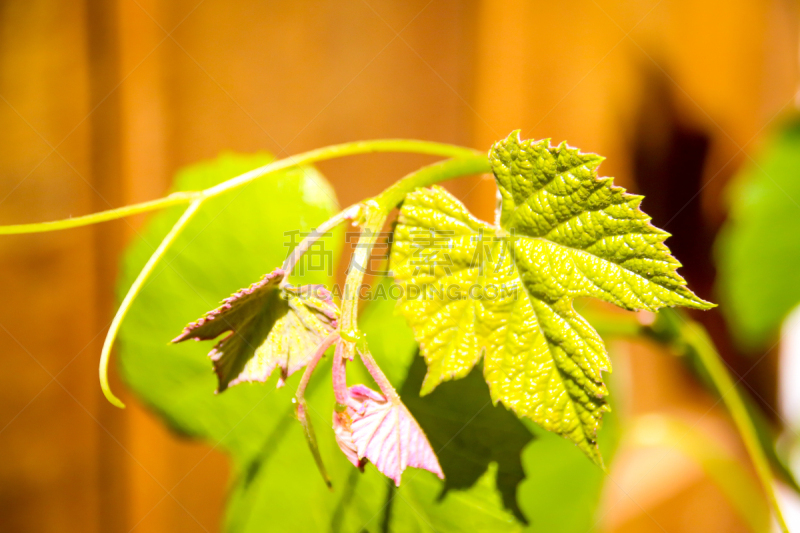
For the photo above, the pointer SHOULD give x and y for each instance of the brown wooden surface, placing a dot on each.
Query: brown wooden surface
(101, 101)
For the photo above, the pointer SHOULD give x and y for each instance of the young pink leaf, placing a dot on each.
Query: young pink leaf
(270, 327)
(383, 432)
(343, 431)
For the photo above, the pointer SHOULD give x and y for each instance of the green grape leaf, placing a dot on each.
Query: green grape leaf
(757, 250)
(505, 291)
(269, 326)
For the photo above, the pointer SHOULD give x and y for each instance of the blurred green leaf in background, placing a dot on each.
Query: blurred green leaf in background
(758, 250)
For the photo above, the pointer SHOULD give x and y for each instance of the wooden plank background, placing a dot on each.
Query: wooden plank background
(101, 101)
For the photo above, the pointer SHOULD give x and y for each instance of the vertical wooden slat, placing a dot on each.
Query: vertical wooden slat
(106, 163)
(48, 475)
(144, 128)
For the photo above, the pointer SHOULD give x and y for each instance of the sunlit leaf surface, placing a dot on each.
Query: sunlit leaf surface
(505, 292)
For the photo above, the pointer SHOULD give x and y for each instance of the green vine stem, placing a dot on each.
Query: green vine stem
(377, 210)
(176, 198)
(696, 336)
(673, 328)
(195, 200)
(313, 156)
(105, 354)
(343, 216)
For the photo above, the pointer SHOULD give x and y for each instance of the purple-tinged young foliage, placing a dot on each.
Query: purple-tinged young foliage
(376, 427)
(382, 431)
(269, 327)
(272, 326)
(343, 431)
